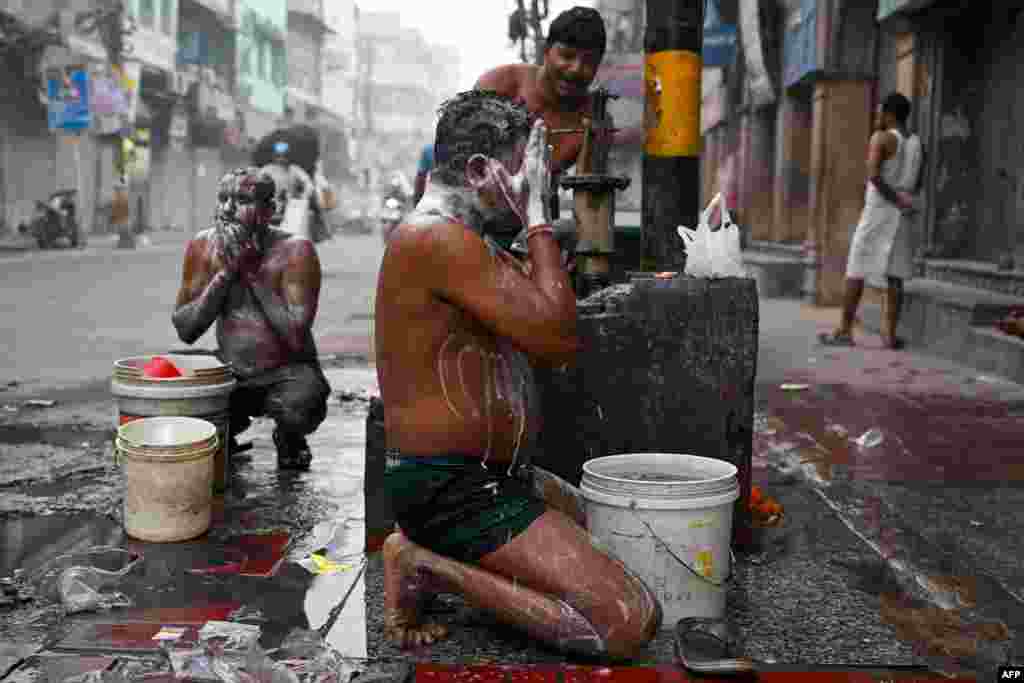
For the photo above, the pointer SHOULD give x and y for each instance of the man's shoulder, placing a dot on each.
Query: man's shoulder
(425, 233)
(507, 79)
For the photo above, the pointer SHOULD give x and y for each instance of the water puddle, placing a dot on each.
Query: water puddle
(254, 565)
(29, 542)
(63, 436)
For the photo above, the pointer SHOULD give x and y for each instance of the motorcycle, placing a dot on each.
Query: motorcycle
(390, 217)
(53, 219)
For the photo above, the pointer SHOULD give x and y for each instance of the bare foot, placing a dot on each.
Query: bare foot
(405, 589)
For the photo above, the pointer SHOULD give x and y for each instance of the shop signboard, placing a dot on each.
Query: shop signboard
(800, 51)
(719, 45)
(68, 99)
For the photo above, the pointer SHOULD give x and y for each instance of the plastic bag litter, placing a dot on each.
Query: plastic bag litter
(871, 438)
(311, 660)
(80, 591)
(77, 580)
(263, 669)
(199, 664)
(713, 253)
(98, 676)
(231, 635)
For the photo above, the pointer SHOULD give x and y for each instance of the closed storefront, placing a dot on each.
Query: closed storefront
(979, 171)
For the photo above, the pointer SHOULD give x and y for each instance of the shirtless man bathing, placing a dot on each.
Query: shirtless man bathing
(459, 321)
(262, 287)
(558, 89)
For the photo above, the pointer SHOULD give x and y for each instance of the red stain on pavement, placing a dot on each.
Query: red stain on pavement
(122, 637)
(925, 437)
(179, 615)
(264, 553)
(547, 673)
(249, 555)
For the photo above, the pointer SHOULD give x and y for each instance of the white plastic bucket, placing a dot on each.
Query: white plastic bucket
(168, 465)
(204, 391)
(656, 511)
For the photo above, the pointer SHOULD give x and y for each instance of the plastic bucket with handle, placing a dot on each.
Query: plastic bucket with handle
(168, 474)
(668, 517)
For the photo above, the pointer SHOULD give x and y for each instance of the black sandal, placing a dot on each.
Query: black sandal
(835, 339)
(292, 452)
(703, 646)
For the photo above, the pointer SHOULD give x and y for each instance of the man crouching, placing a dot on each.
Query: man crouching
(458, 323)
(262, 287)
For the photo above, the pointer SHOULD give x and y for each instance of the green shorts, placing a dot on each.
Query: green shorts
(455, 507)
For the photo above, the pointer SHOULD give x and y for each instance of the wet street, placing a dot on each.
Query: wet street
(899, 474)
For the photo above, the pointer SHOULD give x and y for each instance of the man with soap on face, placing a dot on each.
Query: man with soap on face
(458, 324)
(261, 286)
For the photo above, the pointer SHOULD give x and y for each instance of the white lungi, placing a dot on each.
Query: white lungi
(881, 242)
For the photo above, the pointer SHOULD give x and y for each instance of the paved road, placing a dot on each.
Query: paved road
(944, 527)
(69, 314)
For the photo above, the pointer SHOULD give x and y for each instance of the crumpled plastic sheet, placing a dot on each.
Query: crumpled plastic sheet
(230, 635)
(201, 665)
(311, 660)
(97, 677)
(303, 657)
(77, 580)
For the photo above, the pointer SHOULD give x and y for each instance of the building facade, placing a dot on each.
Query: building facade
(203, 81)
(796, 161)
(402, 81)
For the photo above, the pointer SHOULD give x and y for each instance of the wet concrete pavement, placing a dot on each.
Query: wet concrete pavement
(875, 536)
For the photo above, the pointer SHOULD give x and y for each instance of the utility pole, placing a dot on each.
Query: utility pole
(113, 24)
(671, 162)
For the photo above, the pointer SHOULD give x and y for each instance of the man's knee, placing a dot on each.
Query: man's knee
(623, 622)
(641, 620)
(302, 406)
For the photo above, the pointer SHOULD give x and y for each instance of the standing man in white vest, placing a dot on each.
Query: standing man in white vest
(880, 248)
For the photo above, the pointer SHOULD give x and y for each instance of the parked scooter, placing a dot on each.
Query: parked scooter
(55, 218)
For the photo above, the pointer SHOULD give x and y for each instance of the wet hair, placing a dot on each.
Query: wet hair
(897, 105)
(476, 122)
(246, 183)
(579, 27)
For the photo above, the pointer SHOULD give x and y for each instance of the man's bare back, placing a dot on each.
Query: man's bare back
(452, 385)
